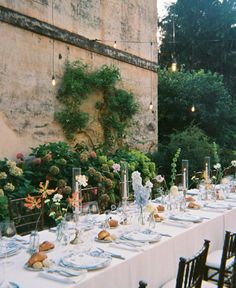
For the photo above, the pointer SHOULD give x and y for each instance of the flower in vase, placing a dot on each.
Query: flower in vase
(159, 178)
(57, 197)
(233, 163)
(217, 166)
(141, 193)
(82, 180)
(32, 202)
(74, 200)
(44, 189)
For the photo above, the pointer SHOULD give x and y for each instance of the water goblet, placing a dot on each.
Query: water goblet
(8, 230)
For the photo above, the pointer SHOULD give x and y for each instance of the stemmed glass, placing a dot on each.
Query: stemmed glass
(8, 230)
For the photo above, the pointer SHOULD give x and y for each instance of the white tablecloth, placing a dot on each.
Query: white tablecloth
(156, 264)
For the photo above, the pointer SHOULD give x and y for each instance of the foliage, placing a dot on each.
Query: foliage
(173, 167)
(3, 208)
(13, 181)
(116, 109)
(194, 144)
(205, 36)
(214, 106)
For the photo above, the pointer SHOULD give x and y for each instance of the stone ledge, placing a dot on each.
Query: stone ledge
(34, 25)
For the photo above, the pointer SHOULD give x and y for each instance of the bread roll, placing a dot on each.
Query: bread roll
(193, 205)
(160, 208)
(103, 234)
(189, 199)
(45, 246)
(113, 223)
(37, 257)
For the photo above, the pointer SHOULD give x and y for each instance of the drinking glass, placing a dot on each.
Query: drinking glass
(8, 230)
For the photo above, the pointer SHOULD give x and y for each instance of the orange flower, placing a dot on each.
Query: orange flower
(44, 189)
(75, 201)
(32, 202)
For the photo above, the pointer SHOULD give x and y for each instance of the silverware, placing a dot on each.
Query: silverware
(165, 235)
(63, 272)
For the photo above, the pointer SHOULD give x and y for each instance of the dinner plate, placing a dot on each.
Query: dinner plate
(186, 217)
(193, 192)
(146, 235)
(102, 241)
(12, 249)
(14, 285)
(86, 261)
(218, 205)
(232, 196)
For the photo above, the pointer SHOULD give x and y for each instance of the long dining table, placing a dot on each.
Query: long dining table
(154, 263)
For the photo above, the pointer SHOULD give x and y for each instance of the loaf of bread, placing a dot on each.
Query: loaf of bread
(189, 199)
(113, 223)
(160, 208)
(193, 205)
(103, 234)
(36, 257)
(157, 217)
(45, 246)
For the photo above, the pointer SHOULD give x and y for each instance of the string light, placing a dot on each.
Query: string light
(53, 80)
(193, 109)
(151, 106)
(53, 74)
(174, 62)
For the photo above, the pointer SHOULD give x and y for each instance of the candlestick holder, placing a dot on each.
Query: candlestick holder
(185, 175)
(207, 168)
(76, 172)
(124, 181)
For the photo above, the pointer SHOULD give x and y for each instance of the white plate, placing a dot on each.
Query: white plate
(86, 261)
(232, 196)
(102, 241)
(193, 192)
(186, 217)
(218, 206)
(12, 249)
(146, 235)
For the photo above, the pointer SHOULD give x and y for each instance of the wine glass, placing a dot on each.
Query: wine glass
(8, 230)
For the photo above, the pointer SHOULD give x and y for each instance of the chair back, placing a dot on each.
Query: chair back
(24, 218)
(191, 270)
(229, 251)
(233, 278)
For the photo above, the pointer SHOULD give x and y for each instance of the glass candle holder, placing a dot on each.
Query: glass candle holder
(76, 188)
(185, 174)
(207, 167)
(124, 181)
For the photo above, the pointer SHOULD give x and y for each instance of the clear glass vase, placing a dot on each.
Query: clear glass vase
(141, 218)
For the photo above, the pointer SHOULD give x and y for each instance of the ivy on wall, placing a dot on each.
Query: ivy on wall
(116, 109)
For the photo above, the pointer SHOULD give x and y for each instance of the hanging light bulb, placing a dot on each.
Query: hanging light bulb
(53, 80)
(193, 108)
(115, 45)
(151, 106)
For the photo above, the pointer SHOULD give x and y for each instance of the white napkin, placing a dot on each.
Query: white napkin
(213, 210)
(124, 247)
(62, 279)
(177, 223)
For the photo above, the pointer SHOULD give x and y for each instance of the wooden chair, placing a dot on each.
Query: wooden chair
(207, 284)
(219, 264)
(24, 218)
(191, 271)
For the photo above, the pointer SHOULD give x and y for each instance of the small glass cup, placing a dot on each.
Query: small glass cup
(33, 242)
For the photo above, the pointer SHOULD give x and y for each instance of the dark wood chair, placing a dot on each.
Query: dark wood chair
(25, 219)
(191, 270)
(220, 263)
(90, 204)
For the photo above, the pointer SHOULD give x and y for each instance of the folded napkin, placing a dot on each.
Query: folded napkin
(213, 210)
(62, 279)
(124, 247)
(177, 223)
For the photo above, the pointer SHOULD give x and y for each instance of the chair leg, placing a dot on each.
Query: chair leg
(206, 270)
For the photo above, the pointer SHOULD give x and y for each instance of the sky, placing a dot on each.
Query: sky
(162, 4)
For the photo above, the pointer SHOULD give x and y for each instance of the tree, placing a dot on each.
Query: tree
(215, 109)
(205, 37)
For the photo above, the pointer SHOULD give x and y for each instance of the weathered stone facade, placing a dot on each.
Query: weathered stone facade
(27, 98)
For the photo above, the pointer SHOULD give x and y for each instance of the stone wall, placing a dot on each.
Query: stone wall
(27, 98)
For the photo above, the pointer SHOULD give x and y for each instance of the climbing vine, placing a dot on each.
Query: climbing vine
(116, 109)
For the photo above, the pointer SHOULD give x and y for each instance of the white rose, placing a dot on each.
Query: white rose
(174, 191)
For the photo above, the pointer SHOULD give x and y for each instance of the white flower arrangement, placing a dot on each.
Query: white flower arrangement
(141, 193)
